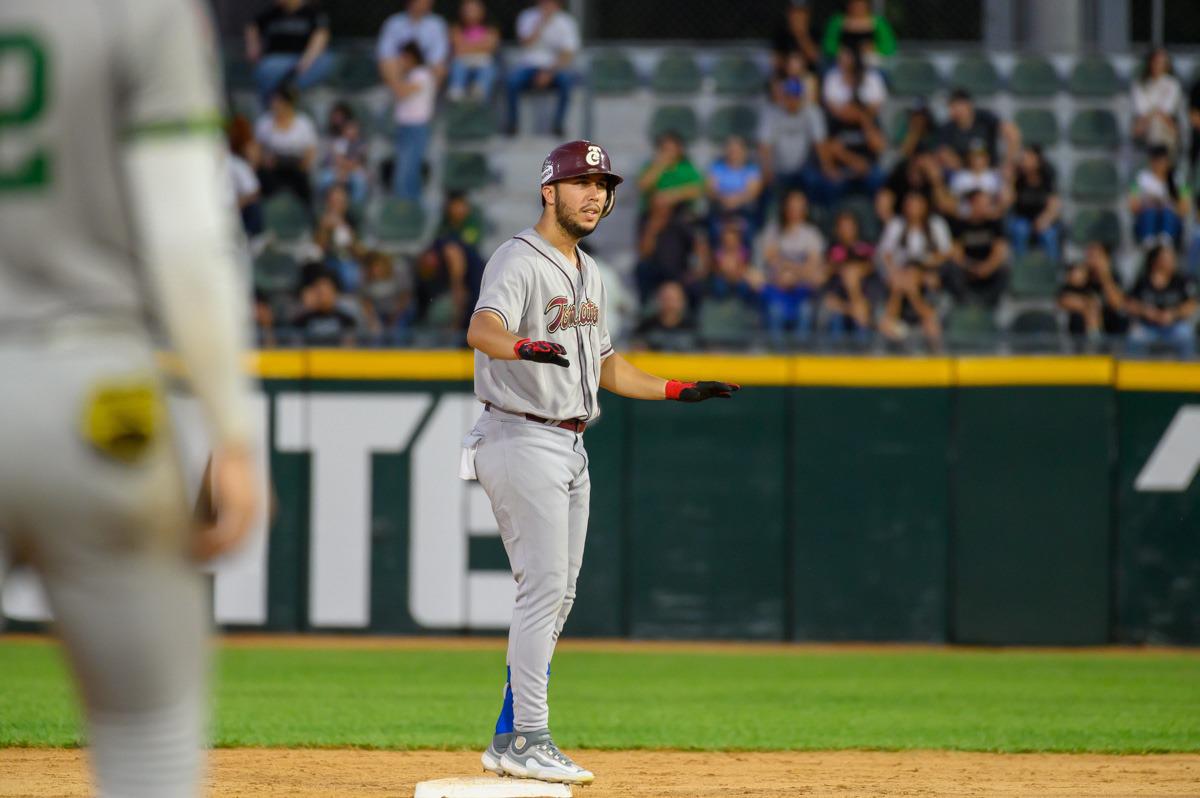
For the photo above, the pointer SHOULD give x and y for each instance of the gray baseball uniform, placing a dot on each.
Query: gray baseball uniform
(535, 472)
(90, 487)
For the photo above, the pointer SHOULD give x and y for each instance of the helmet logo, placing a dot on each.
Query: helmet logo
(594, 154)
(547, 170)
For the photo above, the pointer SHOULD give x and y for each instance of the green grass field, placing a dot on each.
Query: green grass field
(967, 700)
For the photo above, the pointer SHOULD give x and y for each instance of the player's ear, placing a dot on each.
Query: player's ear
(549, 194)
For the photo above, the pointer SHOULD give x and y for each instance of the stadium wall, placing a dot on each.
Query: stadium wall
(987, 501)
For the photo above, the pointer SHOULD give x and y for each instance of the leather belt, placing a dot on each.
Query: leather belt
(576, 425)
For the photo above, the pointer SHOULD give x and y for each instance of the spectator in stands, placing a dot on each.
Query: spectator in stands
(1036, 206)
(345, 161)
(415, 91)
(1194, 124)
(461, 230)
(729, 273)
(444, 272)
(1162, 304)
(287, 43)
(794, 251)
(264, 320)
(671, 327)
(474, 42)
(865, 33)
(1158, 201)
(338, 240)
(852, 279)
(794, 38)
(977, 174)
(968, 124)
(416, 24)
(1157, 102)
(549, 39)
(1092, 298)
(980, 263)
(289, 147)
(920, 132)
(735, 187)
(853, 96)
(914, 250)
(321, 321)
(792, 150)
(243, 159)
(918, 173)
(386, 296)
(669, 187)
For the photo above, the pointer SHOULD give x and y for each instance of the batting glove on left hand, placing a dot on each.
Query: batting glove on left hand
(699, 391)
(541, 352)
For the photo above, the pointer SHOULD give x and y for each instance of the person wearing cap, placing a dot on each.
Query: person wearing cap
(966, 124)
(540, 332)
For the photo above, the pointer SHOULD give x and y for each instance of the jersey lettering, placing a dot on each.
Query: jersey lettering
(567, 315)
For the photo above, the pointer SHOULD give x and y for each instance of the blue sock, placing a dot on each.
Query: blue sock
(504, 724)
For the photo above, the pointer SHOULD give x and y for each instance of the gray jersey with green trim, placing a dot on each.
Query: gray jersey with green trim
(113, 69)
(541, 295)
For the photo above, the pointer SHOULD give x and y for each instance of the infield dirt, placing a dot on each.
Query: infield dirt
(272, 773)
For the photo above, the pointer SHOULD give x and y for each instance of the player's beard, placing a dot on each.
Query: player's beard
(569, 226)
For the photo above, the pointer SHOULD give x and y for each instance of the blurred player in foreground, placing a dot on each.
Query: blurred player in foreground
(112, 219)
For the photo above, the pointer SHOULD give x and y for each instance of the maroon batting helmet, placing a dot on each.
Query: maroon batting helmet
(577, 158)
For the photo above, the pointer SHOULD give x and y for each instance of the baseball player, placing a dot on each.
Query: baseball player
(542, 352)
(112, 212)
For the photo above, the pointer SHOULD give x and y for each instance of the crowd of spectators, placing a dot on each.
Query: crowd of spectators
(819, 228)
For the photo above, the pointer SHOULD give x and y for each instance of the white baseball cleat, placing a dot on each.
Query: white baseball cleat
(496, 749)
(533, 755)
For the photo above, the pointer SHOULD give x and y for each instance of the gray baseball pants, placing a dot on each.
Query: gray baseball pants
(536, 476)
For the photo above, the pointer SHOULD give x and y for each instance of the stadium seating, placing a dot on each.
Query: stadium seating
(977, 75)
(275, 272)
(286, 217)
(469, 122)
(1034, 78)
(1034, 276)
(398, 222)
(741, 120)
(1038, 126)
(676, 73)
(465, 171)
(970, 327)
(680, 119)
(356, 71)
(1094, 77)
(726, 323)
(737, 76)
(1095, 180)
(914, 77)
(1096, 224)
(1035, 330)
(1094, 128)
(611, 73)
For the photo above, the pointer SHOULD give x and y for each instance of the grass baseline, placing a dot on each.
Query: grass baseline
(688, 700)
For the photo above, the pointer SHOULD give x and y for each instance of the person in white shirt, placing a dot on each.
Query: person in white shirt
(417, 23)
(1158, 201)
(549, 38)
(979, 175)
(415, 91)
(289, 147)
(914, 250)
(1157, 102)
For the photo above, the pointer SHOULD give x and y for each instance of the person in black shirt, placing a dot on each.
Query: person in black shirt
(1036, 206)
(979, 270)
(917, 174)
(794, 35)
(288, 42)
(968, 124)
(322, 322)
(1161, 305)
(671, 328)
(1194, 121)
(1091, 297)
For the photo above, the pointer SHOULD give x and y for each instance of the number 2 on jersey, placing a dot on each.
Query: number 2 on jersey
(22, 105)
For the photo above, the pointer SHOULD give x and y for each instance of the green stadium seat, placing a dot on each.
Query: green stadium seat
(741, 120)
(1034, 276)
(676, 73)
(439, 315)
(679, 119)
(897, 128)
(739, 76)
(275, 272)
(1096, 224)
(726, 322)
(1034, 77)
(977, 75)
(1034, 330)
(1038, 126)
(356, 71)
(469, 121)
(286, 217)
(913, 77)
(398, 221)
(465, 171)
(611, 73)
(1094, 129)
(1095, 180)
(970, 326)
(1093, 76)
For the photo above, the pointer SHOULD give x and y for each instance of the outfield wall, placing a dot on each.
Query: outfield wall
(992, 501)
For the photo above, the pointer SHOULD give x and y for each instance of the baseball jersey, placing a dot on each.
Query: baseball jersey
(117, 70)
(539, 294)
